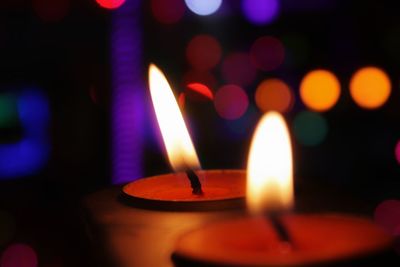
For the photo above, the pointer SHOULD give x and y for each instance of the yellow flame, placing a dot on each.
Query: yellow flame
(179, 146)
(269, 167)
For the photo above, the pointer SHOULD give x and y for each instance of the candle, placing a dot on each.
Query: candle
(189, 187)
(272, 236)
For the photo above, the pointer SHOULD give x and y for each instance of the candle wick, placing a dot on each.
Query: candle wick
(194, 182)
(279, 227)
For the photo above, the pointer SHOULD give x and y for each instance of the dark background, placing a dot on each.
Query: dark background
(68, 58)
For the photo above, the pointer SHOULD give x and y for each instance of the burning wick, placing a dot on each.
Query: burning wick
(194, 182)
(269, 173)
(279, 228)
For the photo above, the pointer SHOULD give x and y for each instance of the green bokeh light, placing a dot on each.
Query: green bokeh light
(8, 111)
(310, 128)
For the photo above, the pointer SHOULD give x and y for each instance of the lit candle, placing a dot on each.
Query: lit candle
(271, 236)
(189, 187)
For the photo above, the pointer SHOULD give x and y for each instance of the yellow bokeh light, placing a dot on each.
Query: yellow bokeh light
(320, 90)
(274, 94)
(370, 87)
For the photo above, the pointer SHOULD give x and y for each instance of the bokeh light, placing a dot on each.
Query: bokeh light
(397, 151)
(203, 52)
(203, 7)
(320, 90)
(274, 94)
(19, 255)
(203, 77)
(260, 12)
(387, 215)
(310, 128)
(370, 87)
(167, 12)
(50, 10)
(7, 228)
(110, 4)
(199, 89)
(8, 111)
(237, 69)
(231, 102)
(267, 53)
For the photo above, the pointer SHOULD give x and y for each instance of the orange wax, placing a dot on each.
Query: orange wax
(175, 187)
(316, 239)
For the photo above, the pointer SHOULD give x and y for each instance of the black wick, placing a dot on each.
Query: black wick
(194, 182)
(279, 227)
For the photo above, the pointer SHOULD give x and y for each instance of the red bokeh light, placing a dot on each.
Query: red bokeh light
(203, 52)
(231, 102)
(19, 255)
(200, 89)
(110, 4)
(167, 12)
(387, 215)
(238, 69)
(267, 53)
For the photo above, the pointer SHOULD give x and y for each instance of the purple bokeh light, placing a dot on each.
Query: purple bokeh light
(128, 93)
(261, 12)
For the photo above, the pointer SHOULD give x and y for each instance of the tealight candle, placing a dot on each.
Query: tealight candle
(272, 236)
(189, 187)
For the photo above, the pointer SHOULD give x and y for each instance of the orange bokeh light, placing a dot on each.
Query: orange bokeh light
(370, 87)
(274, 94)
(320, 90)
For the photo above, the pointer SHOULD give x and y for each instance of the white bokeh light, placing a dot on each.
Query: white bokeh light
(203, 7)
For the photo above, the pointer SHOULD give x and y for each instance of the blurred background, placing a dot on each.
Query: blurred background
(76, 116)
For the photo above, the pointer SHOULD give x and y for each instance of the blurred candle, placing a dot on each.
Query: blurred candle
(257, 240)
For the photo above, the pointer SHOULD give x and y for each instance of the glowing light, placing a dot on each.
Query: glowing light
(50, 10)
(231, 102)
(19, 255)
(320, 90)
(110, 4)
(203, 52)
(127, 96)
(269, 167)
(260, 11)
(267, 53)
(238, 69)
(370, 87)
(167, 12)
(30, 154)
(310, 128)
(201, 89)
(203, 8)
(180, 150)
(274, 94)
(397, 152)
(8, 111)
(7, 227)
(387, 215)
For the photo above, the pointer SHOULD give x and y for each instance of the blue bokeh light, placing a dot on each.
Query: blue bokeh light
(30, 154)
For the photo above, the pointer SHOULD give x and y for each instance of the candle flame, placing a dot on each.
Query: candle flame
(179, 146)
(269, 167)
